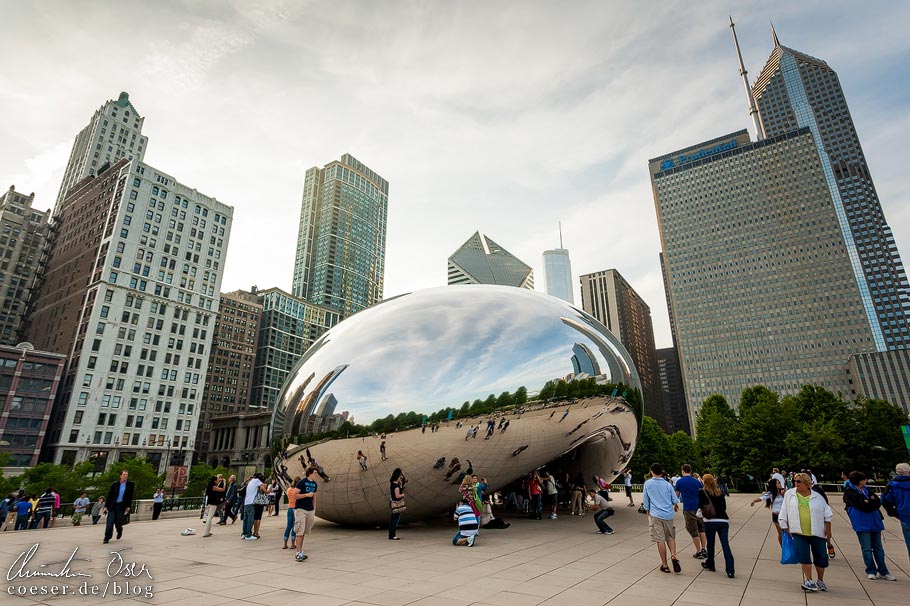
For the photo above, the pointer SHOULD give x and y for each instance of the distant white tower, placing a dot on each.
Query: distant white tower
(557, 269)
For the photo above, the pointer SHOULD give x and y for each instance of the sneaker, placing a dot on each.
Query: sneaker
(300, 556)
(700, 555)
(821, 586)
(252, 538)
(706, 567)
(608, 532)
(871, 577)
(552, 516)
(887, 577)
(676, 567)
(809, 585)
(471, 541)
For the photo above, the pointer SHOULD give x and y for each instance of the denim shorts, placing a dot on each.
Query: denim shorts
(818, 547)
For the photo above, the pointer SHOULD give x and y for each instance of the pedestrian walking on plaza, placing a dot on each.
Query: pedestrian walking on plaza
(229, 510)
(292, 502)
(578, 494)
(117, 505)
(79, 506)
(9, 520)
(687, 489)
(382, 451)
(627, 481)
(774, 499)
(660, 502)
(552, 489)
(467, 524)
(362, 459)
(157, 503)
(276, 494)
(45, 509)
(97, 510)
(806, 516)
(534, 489)
(24, 508)
(304, 511)
(214, 495)
(254, 500)
(897, 499)
(396, 502)
(604, 511)
(713, 505)
(863, 507)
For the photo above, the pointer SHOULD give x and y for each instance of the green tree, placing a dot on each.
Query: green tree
(762, 432)
(653, 447)
(547, 391)
(504, 400)
(142, 475)
(684, 450)
(716, 426)
(200, 474)
(562, 390)
(67, 482)
(521, 396)
(878, 427)
(7, 484)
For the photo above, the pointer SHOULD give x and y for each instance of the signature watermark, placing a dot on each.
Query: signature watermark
(120, 577)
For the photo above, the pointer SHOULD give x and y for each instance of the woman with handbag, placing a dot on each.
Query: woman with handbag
(863, 507)
(713, 507)
(806, 516)
(396, 502)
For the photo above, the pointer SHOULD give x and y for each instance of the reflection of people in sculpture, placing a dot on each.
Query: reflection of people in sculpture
(362, 459)
(519, 450)
(439, 463)
(564, 415)
(320, 471)
(505, 426)
(454, 467)
(470, 432)
(309, 457)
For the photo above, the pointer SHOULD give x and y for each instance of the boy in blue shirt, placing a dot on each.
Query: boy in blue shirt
(687, 488)
(467, 524)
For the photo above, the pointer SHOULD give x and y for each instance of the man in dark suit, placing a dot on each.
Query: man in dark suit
(119, 499)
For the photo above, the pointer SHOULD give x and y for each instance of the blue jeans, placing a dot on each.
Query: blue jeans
(393, 525)
(720, 530)
(41, 515)
(289, 528)
(600, 517)
(248, 520)
(873, 552)
(905, 526)
(458, 537)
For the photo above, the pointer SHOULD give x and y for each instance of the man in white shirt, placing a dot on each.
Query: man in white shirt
(627, 480)
(252, 489)
(604, 511)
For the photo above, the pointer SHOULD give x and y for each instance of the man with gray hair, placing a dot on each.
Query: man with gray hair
(214, 497)
(896, 499)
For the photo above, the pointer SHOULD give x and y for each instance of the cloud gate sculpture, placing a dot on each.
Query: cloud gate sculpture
(469, 354)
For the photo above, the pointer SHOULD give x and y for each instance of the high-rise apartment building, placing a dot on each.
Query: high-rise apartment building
(288, 327)
(29, 380)
(340, 260)
(614, 303)
(233, 356)
(557, 270)
(759, 275)
(130, 295)
(672, 390)
(113, 133)
(24, 236)
(797, 91)
(881, 375)
(480, 260)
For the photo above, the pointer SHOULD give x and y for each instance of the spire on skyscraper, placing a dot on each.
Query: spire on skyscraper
(774, 36)
(753, 110)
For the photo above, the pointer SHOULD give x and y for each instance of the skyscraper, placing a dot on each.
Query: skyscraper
(557, 269)
(796, 91)
(759, 275)
(130, 295)
(480, 260)
(113, 133)
(672, 390)
(614, 303)
(340, 259)
(24, 236)
(233, 356)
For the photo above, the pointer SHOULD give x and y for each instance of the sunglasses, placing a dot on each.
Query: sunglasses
(797, 481)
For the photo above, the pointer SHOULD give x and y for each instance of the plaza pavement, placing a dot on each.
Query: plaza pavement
(546, 562)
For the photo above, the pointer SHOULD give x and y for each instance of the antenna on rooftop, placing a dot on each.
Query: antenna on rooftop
(753, 109)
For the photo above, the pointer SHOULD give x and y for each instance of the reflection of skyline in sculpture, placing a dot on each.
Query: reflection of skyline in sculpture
(583, 361)
(434, 349)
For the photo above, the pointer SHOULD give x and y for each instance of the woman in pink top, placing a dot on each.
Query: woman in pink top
(292, 500)
(56, 508)
(534, 492)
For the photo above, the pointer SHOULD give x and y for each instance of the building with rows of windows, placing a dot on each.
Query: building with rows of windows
(130, 295)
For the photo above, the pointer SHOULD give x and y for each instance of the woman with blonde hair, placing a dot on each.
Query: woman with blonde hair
(806, 516)
(713, 506)
(468, 494)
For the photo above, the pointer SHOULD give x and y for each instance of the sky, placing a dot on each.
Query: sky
(503, 117)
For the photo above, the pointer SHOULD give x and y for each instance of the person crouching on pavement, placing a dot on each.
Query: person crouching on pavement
(467, 524)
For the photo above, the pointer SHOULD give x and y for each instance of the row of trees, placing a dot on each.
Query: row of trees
(814, 429)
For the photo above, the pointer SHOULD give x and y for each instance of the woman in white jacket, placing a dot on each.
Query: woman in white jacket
(806, 516)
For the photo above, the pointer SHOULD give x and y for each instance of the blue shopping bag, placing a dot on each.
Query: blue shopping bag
(788, 550)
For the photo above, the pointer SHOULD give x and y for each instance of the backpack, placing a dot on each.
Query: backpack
(889, 505)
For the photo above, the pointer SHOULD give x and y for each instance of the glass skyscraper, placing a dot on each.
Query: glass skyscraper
(795, 91)
(340, 259)
(557, 269)
(480, 260)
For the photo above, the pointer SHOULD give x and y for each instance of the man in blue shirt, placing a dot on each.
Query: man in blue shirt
(117, 505)
(305, 511)
(661, 503)
(687, 489)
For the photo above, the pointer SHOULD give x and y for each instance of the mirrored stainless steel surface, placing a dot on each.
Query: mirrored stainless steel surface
(440, 348)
